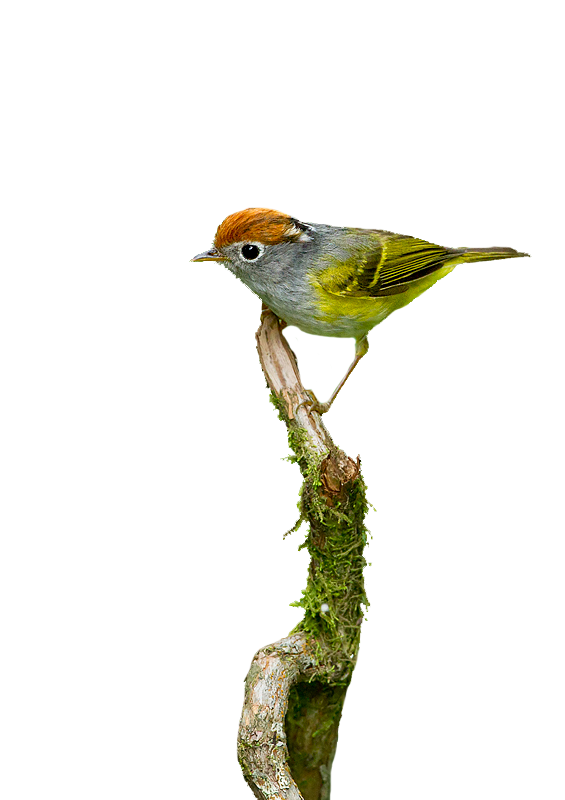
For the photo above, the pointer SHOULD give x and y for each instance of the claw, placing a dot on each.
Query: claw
(266, 310)
(313, 404)
(310, 403)
(321, 408)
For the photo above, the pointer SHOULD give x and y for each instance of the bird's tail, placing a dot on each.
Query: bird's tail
(490, 253)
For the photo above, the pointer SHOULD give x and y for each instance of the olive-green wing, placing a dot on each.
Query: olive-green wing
(385, 266)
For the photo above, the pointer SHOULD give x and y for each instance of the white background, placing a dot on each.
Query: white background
(144, 497)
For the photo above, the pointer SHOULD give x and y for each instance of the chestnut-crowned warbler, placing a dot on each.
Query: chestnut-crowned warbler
(333, 281)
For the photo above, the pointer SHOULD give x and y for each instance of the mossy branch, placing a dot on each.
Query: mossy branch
(295, 688)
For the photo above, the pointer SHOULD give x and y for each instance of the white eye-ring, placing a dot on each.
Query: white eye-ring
(251, 251)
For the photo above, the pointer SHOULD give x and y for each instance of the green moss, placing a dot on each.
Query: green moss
(335, 541)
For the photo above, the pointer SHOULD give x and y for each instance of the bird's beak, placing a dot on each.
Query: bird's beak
(210, 255)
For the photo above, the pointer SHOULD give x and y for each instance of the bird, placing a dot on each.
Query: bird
(333, 281)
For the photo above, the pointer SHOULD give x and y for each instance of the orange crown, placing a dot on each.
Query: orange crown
(257, 225)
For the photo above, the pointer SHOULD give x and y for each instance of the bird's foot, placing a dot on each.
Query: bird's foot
(266, 310)
(313, 404)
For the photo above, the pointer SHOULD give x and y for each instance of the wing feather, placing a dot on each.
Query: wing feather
(392, 264)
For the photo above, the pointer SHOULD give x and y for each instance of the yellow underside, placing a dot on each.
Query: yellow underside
(340, 315)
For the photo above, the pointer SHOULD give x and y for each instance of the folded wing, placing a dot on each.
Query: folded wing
(393, 263)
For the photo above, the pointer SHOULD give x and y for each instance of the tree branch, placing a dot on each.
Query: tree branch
(295, 688)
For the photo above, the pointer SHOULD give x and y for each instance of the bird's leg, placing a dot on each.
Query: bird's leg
(361, 347)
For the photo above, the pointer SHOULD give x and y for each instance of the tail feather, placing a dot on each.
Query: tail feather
(491, 253)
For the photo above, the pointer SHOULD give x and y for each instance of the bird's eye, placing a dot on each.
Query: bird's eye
(250, 252)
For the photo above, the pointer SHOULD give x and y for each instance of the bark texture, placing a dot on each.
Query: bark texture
(295, 688)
